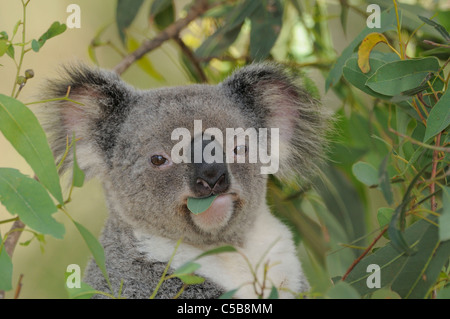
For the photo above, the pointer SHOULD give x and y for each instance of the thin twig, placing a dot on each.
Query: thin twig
(431, 147)
(13, 237)
(190, 55)
(436, 44)
(11, 242)
(171, 32)
(19, 287)
(364, 253)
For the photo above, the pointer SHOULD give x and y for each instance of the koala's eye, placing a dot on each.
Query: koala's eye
(158, 160)
(240, 150)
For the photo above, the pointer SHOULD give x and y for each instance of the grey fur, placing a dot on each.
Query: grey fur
(120, 128)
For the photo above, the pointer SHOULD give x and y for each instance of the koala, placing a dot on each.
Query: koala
(125, 138)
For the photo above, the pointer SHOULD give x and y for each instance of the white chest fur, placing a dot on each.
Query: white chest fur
(269, 243)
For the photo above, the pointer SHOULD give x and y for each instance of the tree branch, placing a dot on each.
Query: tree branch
(364, 253)
(11, 242)
(190, 55)
(172, 31)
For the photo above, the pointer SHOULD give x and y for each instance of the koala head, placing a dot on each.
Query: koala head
(133, 140)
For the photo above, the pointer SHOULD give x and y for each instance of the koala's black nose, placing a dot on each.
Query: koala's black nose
(210, 179)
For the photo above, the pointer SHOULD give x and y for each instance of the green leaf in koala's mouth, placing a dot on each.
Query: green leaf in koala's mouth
(199, 205)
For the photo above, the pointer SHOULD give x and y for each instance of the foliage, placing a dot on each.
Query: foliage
(383, 197)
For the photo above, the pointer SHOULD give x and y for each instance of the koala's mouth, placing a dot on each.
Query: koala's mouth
(213, 212)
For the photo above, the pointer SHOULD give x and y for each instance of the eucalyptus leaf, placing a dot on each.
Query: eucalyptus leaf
(95, 248)
(411, 276)
(27, 198)
(365, 173)
(84, 292)
(199, 205)
(126, 12)
(437, 26)
(444, 218)
(3, 46)
(439, 117)
(21, 128)
(273, 293)
(187, 268)
(144, 63)
(6, 268)
(219, 250)
(396, 77)
(191, 279)
(266, 20)
(55, 29)
(353, 74)
(389, 23)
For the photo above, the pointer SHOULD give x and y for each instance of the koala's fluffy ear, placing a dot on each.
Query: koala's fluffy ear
(272, 98)
(96, 123)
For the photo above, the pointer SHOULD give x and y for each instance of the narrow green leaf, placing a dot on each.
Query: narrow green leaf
(219, 42)
(266, 20)
(27, 198)
(191, 279)
(273, 293)
(437, 26)
(199, 205)
(439, 117)
(444, 218)
(241, 12)
(215, 251)
(84, 292)
(16, 27)
(21, 128)
(365, 173)
(396, 77)
(95, 248)
(3, 46)
(10, 51)
(144, 63)
(6, 268)
(187, 268)
(384, 181)
(344, 15)
(126, 11)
